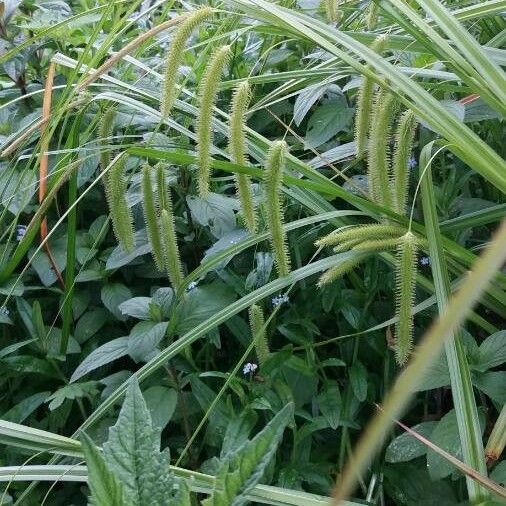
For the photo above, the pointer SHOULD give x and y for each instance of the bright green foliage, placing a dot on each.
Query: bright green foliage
(241, 470)
(338, 271)
(172, 260)
(365, 102)
(404, 138)
(274, 209)
(175, 56)
(373, 231)
(105, 487)
(237, 149)
(151, 217)
(379, 141)
(132, 463)
(258, 332)
(371, 18)
(105, 130)
(208, 90)
(121, 215)
(405, 295)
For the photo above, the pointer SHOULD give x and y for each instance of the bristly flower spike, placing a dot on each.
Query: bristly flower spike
(172, 260)
(401, 160)
(258, 332)
(151, 217)
(175, 57)
(338, 271)
(364, 103)
(332, 10)
(207, 93)
(378, 162)
(237, 149)
(105, 130)
(405, 295)
(116, 190)
(274, 211)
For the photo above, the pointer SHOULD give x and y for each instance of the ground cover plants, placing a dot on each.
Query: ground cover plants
(251, 252)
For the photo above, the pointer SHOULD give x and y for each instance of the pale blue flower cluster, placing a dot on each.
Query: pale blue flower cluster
(249, 368)
(280, 299)
(425, 261)
(412, 163)
(20, 232)
(191, 286)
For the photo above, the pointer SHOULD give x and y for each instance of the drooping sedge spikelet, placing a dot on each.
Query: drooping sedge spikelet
(404, 138)
(360, 232)
(364, 103)
(338, 271)
(151, 217)
(372, 15)
(257, 325)
(115, 191)
(175, 57)
(105, 129)
(332, 10)
(377, 244)
(274, 211)
(379, 148)
(161, 187)
(172, 259)
(405, 294)
(208, 90)
(237, 149)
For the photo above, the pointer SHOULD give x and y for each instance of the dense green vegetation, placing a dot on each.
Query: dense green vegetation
(252, 252)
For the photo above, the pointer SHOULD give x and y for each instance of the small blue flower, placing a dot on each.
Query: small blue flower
(280, 299)
(20, 232)
(4, 311)
(191, 286)
(249, 368)
(412, 163)
(425, 261)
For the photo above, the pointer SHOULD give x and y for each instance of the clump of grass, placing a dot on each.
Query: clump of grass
(208, 90)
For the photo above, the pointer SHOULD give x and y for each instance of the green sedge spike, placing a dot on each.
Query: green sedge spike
(151, 217)
(175, 57)
(161, 187)
(378, 159)
(208, 91)
(105, 129)
(172, 259)
(405, 295)
(346, 245)
(332, 10)
(257, 325)
(121, 214)
(365, 102)
(360, 232)
(377, 244)
(338, 271)
(371, 19)
(404, 138)
(237, 149)
(274, 211)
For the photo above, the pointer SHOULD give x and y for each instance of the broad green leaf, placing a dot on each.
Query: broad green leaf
(119, 257)
(25, 408)
(327, 120)
(161, 402)
(72, 391)
(144, 340)
(90, 323)
(137, 307)
(243, 469)
(493, 384)
(106, 489)
(103, 355)
(406, 447)
(132, 452)
(329, 403)
(492, 351)
(358, 380)
(114, 294)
